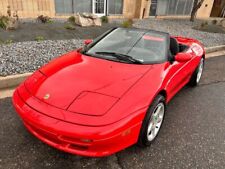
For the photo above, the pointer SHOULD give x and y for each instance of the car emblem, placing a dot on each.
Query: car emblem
(46, 97)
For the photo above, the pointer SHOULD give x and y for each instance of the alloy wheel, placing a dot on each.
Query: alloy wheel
(155, 121)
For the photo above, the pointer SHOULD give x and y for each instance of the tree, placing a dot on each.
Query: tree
(196, 6)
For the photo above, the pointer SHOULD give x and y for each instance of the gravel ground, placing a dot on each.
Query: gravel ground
(25, 57)
(29, 31)
(182, 28)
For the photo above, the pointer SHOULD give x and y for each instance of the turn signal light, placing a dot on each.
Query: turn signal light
(86, 140)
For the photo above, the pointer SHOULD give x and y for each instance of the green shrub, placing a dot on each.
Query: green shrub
(9, 41)
(206, 23)
(1, 41)
(4, 21)
(43, 19)
(71, 19)
(214, 22)
(9, 20)
(131, 21)
(104, 19)
(50, 21)
(39, 38)
(203, 24)
(70, 27)
(127, 23)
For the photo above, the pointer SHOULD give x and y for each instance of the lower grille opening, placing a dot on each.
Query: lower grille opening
(76, 147)
(55, 139)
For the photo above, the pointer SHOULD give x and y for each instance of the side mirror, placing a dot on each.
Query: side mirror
(183, 57)
(88, 41)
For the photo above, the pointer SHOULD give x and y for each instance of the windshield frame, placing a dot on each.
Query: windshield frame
(144, 31)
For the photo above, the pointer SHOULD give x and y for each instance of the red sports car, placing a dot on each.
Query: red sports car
(110, 94)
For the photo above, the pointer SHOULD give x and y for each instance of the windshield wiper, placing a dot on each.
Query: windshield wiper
(121, 56)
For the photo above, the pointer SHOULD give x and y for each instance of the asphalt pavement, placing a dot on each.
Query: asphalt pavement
(192, 136)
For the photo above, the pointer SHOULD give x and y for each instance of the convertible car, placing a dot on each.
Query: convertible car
(110, 94)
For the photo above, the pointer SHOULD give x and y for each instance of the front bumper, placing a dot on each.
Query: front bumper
(77, 139)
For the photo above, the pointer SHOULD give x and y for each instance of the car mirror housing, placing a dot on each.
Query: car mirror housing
(183, 57)
(88, 41)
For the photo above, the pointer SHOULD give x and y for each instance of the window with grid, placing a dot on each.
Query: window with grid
(174, 7)
(82, 6)
(73, 6)
(115, 6)
(64, 6)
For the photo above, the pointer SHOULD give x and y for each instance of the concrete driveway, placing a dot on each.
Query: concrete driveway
(193, 135)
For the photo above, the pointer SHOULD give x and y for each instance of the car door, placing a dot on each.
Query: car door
(178, 74)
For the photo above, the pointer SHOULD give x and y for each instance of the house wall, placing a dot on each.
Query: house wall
(217, 9)
(34, 8)
(135, 8)
(142, 8)
(206, 9)
(28, 8)
(131, 8)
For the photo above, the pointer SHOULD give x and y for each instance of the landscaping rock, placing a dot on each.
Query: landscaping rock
(12, 24)
(89, 15)
(9, 22)
(86, 19)
(97, 22)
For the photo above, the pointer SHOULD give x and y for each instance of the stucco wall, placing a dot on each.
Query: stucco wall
(34, 8)
(135, 8)
(205, 10)
(142, 9)
(131, 8)
(29, 8)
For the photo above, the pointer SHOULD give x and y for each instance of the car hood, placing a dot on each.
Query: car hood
(83, 84)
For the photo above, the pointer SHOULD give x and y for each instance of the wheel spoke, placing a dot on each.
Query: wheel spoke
(153, 132)
(157, 111)
(200, 70)
(159, 120)
(150, 128)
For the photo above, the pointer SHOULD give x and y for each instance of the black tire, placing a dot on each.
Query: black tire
(193, 81)
(143, 140)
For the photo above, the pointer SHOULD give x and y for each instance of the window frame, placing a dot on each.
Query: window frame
(110, 14)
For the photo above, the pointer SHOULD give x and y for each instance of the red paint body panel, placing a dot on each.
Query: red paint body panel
(95, 107)
(79, 73)
(66, 136)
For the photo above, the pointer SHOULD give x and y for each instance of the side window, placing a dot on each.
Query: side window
(115, 7)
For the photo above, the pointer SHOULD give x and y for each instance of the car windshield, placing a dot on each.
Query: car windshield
(131, 45)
